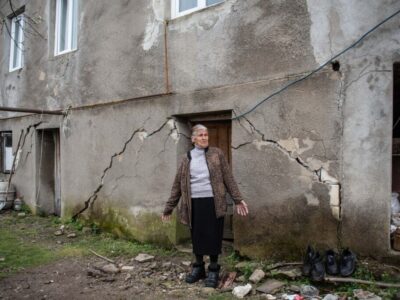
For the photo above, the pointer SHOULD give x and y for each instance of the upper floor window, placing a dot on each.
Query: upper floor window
(184, 7)
(66, 26)
(16, 44)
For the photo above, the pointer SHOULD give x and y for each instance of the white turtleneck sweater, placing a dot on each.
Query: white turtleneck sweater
(200, 184)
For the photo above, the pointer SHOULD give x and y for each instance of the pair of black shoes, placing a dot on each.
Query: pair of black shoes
(199, 272)
(315, 266)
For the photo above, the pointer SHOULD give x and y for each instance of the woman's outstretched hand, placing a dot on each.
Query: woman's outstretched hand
(165, 218)
(242, 209)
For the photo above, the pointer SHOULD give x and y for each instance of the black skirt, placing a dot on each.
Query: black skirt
(207, 229)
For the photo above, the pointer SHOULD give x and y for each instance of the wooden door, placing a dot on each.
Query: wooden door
(219, 133)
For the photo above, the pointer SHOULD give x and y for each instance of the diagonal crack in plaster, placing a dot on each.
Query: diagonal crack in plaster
(281, 148)
(141, 132)
(321, 175)
(23, 139)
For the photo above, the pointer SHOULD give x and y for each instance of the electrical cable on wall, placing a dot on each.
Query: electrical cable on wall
(317, 69)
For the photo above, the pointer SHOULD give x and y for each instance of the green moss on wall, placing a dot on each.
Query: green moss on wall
(145, 227)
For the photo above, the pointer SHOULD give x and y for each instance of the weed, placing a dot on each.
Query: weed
(25, 208)
(231, 260)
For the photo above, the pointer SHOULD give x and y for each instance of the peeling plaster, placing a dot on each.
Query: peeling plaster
(319, 174)
(151, 35)
(311, 199)
(154, 22)
(326, 178)
(334, 195)
(42, 76)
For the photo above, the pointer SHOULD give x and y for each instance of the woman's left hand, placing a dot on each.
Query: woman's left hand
(241, 208)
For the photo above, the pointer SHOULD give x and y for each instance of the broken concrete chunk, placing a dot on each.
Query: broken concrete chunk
(167, 264)
(58, 232)
(127, 268)
(270, 286)
(186, 263)
(291, 274)
(22, 214)
(71, 235)
(143, 257)
(365, 295)
(242, 290)
(110, 268)
(269, 297)
(294, 288)
(257, 276)
(2, 259)
(181, 276)
(309, 291)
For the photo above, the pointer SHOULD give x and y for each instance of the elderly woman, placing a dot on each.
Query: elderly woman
(200, 183)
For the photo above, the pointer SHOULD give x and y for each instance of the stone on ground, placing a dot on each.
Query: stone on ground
(365, 295)
(257, 276)
(143, 257)
(309, 291)
(270, 286)
(241, 290)
(127, 268)
(110, 268)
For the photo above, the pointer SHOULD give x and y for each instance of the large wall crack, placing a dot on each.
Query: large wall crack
(142, 134)
(319, 175)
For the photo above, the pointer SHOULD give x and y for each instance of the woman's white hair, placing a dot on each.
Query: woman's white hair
(196, 128)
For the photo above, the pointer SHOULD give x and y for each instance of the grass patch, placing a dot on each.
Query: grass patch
(30, 241)
(19, 254)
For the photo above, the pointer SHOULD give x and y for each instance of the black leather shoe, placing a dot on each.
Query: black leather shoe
(308, 261)
(198, 272)
(213, 276)
(331, 265)
(347, 263)
(318, 268)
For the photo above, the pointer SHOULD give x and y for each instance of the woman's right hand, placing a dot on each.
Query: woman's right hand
(165, 218)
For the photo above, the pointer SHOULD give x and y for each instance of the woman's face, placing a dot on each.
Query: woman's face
(201, 138)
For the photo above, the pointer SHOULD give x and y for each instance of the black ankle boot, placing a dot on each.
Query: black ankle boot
(308, 261)
(213, 276)
(331, 265)
(198, 272)
(318, 268)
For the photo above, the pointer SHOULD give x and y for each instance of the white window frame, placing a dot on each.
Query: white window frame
(69, 28)
(15, 45)
(201, 4)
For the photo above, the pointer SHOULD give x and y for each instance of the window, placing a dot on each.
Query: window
(16, 44)
(66, 26)
(7, 156)
(184, 7)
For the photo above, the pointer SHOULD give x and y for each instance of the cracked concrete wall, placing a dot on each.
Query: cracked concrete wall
(306, 160)
(366, 94)
(114, 59)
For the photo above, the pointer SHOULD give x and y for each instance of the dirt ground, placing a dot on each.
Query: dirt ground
(81, 275)
(70, 279)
